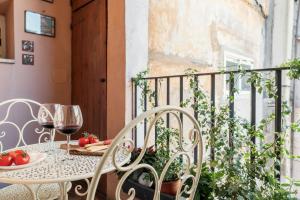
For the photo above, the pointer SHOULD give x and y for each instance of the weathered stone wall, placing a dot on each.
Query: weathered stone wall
(196, 33)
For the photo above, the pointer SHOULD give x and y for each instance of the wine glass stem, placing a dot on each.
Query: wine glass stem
(52, 135)
(52, 132)
(68, 145)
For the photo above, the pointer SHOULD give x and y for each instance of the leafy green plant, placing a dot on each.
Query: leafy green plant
(167, 137)
(294, 65)
(158, 157)
(240, 169)
(149, 158)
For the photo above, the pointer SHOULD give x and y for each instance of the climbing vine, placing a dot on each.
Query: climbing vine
(240, 168)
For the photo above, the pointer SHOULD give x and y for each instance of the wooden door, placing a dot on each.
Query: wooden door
(89, 63)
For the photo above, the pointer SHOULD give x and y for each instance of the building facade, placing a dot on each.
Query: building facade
(170, 36)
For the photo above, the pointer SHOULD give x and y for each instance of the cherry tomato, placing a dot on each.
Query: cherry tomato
(93, 139)
(13, 154)
(6, 160)
(22, 159)
(107, 142)
(83, 141)
(19, 151)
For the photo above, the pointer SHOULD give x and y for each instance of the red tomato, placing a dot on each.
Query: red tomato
(93, 139)
(13, 154)
(6, 160)
(22, 159)
(107, 142)
(19, 151)
(83, 141)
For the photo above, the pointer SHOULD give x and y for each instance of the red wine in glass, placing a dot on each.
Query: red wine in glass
(47, 125)
(45, 118)
(67, 121)
(68, 130)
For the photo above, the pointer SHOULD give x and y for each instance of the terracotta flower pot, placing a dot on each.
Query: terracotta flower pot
(170, 187)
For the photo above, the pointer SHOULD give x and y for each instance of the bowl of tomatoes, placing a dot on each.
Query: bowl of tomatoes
(89, 139)
(18, 159)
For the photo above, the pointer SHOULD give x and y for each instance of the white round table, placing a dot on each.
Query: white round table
(53, 170)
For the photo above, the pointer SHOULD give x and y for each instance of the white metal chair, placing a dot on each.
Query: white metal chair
(9, 119)
(186, 149)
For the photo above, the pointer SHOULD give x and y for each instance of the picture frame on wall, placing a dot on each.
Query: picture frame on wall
(39, 24)
(49, 1)
(27, 46)
(27, 59)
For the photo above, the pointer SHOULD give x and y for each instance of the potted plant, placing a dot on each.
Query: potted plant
(245, 171)
(158, 158)
(149, 158)
(167, 143)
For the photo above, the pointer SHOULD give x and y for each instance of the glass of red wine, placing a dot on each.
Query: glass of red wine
(67, 121)
(46, 117)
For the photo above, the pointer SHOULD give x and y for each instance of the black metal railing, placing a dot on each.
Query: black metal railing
(253, 91)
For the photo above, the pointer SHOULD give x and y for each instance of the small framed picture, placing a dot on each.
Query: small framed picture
(40, 24)
(27, 46)
(49, 1)
(27, 59)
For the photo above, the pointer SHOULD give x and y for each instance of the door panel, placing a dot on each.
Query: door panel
(89, 65)
(77, 4)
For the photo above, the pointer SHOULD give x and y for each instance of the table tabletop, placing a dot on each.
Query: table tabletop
(54, 170)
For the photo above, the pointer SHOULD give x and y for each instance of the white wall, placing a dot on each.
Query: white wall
(282, 31)
(136, 45)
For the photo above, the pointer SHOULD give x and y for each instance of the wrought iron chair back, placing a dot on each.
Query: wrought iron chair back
(122, 140)
(7, 107)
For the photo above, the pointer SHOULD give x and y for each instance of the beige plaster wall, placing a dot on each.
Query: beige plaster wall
(197, 32)
(49, 79)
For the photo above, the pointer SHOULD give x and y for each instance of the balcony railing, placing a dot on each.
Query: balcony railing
(154, 81)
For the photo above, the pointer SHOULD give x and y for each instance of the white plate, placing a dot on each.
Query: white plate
(35, 158)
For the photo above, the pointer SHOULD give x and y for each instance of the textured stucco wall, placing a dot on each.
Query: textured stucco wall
(198, 32)
(170, 36)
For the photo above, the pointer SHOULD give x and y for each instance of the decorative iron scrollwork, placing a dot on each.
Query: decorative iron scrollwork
(184, 151)
(9, 104)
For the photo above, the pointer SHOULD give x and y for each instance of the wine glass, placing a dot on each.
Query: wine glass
(67, 121)
(45, 118)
